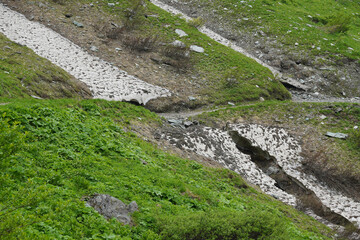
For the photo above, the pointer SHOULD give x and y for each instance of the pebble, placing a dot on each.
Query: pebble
(181, 33)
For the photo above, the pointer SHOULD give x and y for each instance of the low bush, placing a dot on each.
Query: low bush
(223, 224)
(197, 22)
(179, 57)
(139, 43)
(339, 23)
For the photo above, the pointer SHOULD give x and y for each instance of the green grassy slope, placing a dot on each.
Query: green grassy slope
(53, 153)
(23, 73)
(319, 27)
(226, 74)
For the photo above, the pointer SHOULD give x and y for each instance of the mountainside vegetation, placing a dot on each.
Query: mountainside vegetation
(25, 74)
(59, 151)
(56, 152)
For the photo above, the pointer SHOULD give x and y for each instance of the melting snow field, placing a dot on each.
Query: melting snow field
(104, 80)
(219, 146)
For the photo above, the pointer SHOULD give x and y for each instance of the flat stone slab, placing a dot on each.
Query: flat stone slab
(337, 135)
(104, 80)
(197, 49)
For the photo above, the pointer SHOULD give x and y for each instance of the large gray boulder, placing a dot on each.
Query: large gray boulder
(111, 207)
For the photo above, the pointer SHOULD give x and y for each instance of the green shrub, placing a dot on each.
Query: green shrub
(339, 23)
(223, 224)
(11, 138)
(197, 22)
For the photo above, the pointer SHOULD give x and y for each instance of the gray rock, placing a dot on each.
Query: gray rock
(181, 33)
(272, 170)
(94, 49)
(337, 135)
(337, 110)
(111, 207)
(80, 25)
(188, 124)
(111, 4)
(197, 49)
(231, 104)
(178, 43)
(36, 97)
(191, 98)
(175, 121)
(287, 64)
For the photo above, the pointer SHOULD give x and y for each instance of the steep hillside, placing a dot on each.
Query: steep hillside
(140, 40)
(335, 161)
(56, 153)
(25, 74)
(315, 42)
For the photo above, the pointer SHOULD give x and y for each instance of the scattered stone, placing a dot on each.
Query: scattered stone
(337, 135)
(337, 110)
(179, 44)
(111, 4)
(188, 124)
(111, 207)
(36, 97)
(191, 98)
(231, 103)
(118, 49)
(175, 122)
(356, 127)
(261, 99)
(322, 117)
(80, 25)
(181, 33)
(94, 49)
(197, 49)
(68, 15)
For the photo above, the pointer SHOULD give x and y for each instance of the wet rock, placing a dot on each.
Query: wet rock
(111, 207)
(181, 33)
(78, 24)
(337, 135)
(197, 49)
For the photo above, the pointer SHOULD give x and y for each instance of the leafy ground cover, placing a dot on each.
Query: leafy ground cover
(56, 152)
(221, 74)
(23, 73)
(311, 121)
